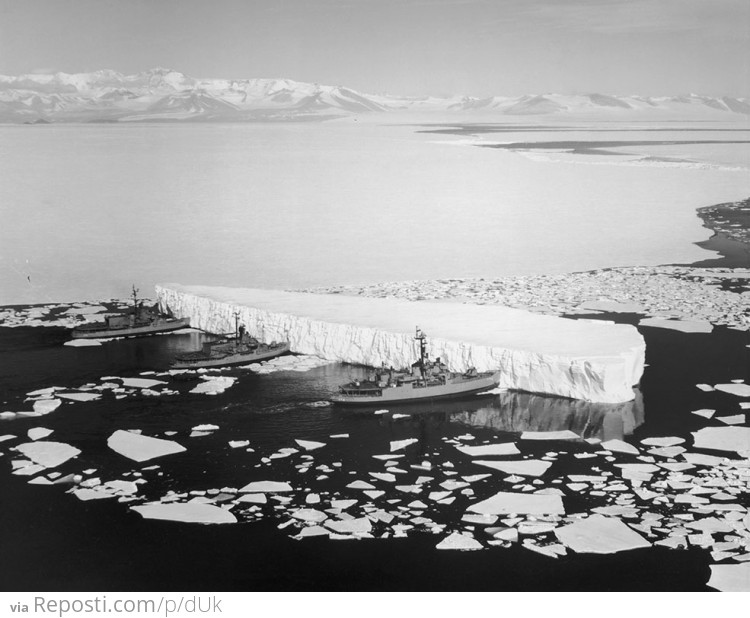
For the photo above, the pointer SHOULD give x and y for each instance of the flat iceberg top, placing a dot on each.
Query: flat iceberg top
(486, 325)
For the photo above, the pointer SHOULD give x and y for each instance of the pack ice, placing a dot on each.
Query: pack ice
(591, 361)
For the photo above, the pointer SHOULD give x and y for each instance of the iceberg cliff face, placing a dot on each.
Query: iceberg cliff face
(593, 361)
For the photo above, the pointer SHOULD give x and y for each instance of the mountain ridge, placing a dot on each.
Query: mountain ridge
(165, 94)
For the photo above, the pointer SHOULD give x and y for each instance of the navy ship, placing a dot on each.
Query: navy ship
(424, 380)
(138, 322)
(237, 349)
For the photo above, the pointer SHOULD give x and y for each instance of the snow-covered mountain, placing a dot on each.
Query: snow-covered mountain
(164, 94)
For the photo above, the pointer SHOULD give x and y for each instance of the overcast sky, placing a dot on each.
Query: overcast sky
(409, 47)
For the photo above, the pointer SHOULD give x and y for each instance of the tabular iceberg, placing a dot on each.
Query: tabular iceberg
(593, 361)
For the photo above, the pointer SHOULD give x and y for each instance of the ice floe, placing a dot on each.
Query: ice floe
(48, 454)
(730, 577)
(564, 434)
(38, 433)
(598, 534)
(684, 326)
(505, 503)
(524, 467)
(83, 343)
(508, 448)
(458, 541)
(141, 448)
(45, 406)
(270, 487)
(735, 439)
(402, 444)
(140, 382)
(310, 445)
(184, 512)
(741, 390)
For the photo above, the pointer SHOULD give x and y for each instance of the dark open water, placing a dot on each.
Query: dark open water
(52, 541)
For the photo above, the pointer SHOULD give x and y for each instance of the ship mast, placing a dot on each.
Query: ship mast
(135, 300)
(420, 336)
(237, 325)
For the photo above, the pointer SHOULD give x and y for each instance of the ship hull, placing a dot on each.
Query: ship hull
(231, 359)
(408, 393)
(136, 331)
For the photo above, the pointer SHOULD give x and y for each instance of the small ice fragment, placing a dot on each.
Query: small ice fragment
(343, 504)
(704, 412)
(85, 494)
(270, 487)
(387, 457)
(8, 436)
(460, 542)
(309, 445)
(530, 528)
(380, 412)
(550, 435)
(702, 460)
(37, 433)
(372, 493)
(40, 480)
(685, 326)
(80, 396)
(350, 526)
(401, 444)
(28, 470)
(339, 435)
(360, 485)
(205, 428)
(619, 446)
(397, 416)
(598, 534)
(666, 441)
(258, 498)
(508, 534)
(82, 343)
(667, 451)
(184, 512)
(44, 391)
(312, 531)
(482, 520)
(438, 495)
(410, 489)
(737, 419)
(311, 515)
(45, 406)
(140, 382)
(508, 448)
(238, 443)
(450, 485)
(525, 467)
(706, 388)
(384, 476)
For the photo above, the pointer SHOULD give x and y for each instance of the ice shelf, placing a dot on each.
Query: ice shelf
(588, 360)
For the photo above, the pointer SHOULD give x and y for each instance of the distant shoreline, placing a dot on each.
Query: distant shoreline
(730, 224)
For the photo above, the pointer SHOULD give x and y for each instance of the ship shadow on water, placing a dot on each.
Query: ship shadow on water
(516, 412)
